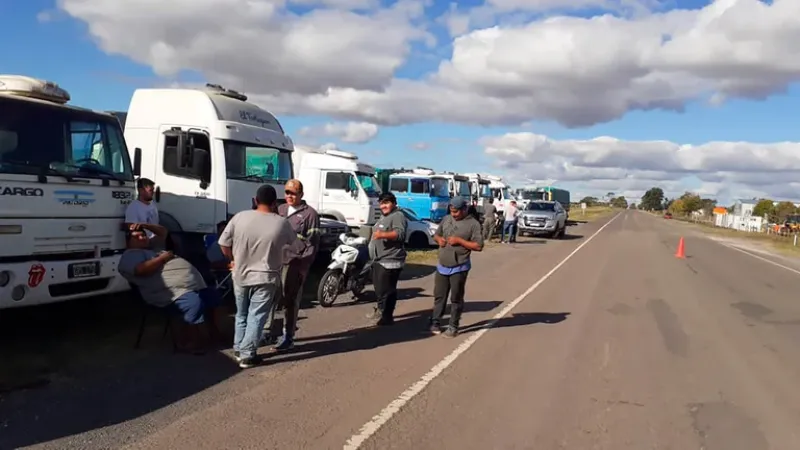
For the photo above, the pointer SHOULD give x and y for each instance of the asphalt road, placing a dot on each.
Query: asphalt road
(602, 341)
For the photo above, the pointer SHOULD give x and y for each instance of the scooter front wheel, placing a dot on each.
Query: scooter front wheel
(329, 288)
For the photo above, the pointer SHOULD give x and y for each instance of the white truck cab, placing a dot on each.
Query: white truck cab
(338, 186)
(65, 181)
(479, 190)
(500, 192)
(207, 150)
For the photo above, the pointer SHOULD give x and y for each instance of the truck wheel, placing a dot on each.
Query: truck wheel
(418, 240)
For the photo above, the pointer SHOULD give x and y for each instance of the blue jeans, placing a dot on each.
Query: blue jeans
(253, 305)
(510, 229)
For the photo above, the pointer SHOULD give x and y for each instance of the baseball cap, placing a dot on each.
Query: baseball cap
(458, 203)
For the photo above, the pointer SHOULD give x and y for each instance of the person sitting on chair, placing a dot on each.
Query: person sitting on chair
(168, 281)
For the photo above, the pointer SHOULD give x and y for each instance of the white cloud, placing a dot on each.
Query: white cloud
(350, 132)
(576, 71)
(726, 169)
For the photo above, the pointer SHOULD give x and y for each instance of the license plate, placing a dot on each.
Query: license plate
(84, 270)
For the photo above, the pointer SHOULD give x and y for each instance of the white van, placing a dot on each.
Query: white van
(338, 186)
(65, 181)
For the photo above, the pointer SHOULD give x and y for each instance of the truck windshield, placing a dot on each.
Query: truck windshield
(462, 189)
(485, 191)
(439, 187)
(369, 183)
(532, 195)
(541, 206)
(256, 163)
(58, 140)
(500, 193)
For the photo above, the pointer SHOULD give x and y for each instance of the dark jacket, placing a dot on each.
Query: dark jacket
(304, 222)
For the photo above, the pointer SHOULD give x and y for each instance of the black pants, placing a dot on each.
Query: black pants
(385, 282)
(452, 285)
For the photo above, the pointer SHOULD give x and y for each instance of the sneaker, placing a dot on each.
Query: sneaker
(383, 321)
(236, 355)
(451, 332)
(436, 328)
(284, 344)
(248, 363)
(374, 314)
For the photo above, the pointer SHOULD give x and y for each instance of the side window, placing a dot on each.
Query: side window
(398, 185)
(420, 186)
(339, 181)
(181, 165)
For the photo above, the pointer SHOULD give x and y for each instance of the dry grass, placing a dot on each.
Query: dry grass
(424, 257)
(589, 214)
(780, 243)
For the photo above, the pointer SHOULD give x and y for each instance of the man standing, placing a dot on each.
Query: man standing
(143, 209)
(255, 240)
(489, 219)
(388, 253)
(458, 236)
(298, 257)
(510, 215)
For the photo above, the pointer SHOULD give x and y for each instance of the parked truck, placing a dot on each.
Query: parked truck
(500, 192)
(338, 186)
(65, 180)
(208, 150)
(550, 194)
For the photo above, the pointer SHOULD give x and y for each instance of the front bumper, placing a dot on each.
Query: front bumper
(535, 226)
(42, 282)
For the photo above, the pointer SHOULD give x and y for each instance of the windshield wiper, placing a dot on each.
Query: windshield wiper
(248, 177)
(95, 170)
(49, 169)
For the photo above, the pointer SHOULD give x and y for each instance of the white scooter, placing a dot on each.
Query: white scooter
(350, 270)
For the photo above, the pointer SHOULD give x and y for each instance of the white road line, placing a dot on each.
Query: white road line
(760, 257)
(372, 427)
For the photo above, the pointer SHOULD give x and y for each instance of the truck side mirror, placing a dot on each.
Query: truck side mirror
(137, 162)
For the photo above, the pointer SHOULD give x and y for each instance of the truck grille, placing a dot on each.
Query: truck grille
(68, 244)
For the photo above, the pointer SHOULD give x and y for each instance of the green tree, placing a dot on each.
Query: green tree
(764, 207)
(590, 201)
(676, 207)
(784, 209)
(708, 206)
(619, 202)
(691, 202)
(653, 199)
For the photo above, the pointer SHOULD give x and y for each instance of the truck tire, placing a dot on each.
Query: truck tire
(418, 240)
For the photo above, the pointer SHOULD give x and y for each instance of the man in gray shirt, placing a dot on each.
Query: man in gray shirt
(489, 219)
(168, 281)
(458, 236)
(388, 253)
(255, 241)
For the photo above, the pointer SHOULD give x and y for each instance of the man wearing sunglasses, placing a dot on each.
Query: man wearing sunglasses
(298, 257)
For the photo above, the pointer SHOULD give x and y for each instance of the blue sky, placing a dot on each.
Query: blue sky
(63, 50)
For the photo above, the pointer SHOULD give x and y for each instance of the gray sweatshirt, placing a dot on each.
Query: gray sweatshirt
(390, 253)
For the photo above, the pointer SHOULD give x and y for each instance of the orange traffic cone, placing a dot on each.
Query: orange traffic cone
(681, 253)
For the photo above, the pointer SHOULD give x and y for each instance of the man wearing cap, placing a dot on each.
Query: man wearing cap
(458, 235)
(143, 209)
(299, 256)
(388, 253)
(254, 240)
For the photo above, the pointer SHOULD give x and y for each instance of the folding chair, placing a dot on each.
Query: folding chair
(147, 310)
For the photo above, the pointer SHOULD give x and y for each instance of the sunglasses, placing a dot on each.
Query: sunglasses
(290, 192)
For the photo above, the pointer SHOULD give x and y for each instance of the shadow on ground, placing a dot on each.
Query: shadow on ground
(521, 319)
(80, 354)
(407, 327)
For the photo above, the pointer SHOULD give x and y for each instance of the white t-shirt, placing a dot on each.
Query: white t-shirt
(140, 212)
(292, 210)
(510, 212)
